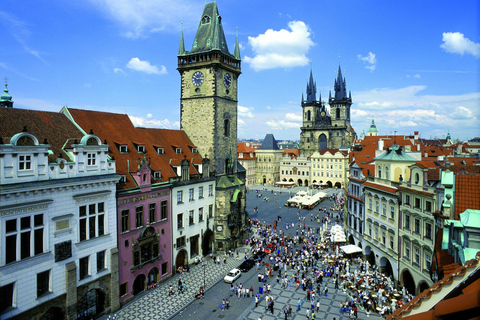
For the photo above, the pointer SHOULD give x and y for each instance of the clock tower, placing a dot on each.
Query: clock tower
(209, 72)
(208, 115)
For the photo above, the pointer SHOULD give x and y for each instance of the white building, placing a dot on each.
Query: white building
(193, 212)
(58, 239)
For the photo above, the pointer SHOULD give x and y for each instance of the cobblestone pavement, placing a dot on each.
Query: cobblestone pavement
(158, 304)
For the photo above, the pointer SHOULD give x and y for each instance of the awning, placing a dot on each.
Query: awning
(351, 248)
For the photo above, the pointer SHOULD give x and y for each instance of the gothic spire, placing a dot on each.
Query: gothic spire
(237, 48)
(340, 86)
(181, 48)
(311, 89)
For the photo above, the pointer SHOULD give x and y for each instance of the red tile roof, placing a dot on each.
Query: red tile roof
(464, 305)
(118, 130)
(467, 192)
(246, 150)
(53, 126)
(294, 153)
(333, 151)
(380, 187)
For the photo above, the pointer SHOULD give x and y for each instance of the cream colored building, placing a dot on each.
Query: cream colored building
(380, 241)
(330, 166)
(268, 156)
(246, 157)
(295, 169)
(417, 228)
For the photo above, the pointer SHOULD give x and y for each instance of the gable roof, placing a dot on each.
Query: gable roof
(117, 129)
(467, 192)
(53, 126)
(269, 143)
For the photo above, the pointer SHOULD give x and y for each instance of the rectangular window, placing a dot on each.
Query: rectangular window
(24, 237)
(179, 196)
(210, 190)
(391, 242)
(384, 238)
(141, 148)
(83, 268)
(91, 159)
(392, 212)
(160, 150)
(190, 217)
(190, 194)
(377, 207)
(417, 226)
(407, 222)
(428, 230)
(139, 217)
(180, 220)
(43, 283)
(428, 262)
(407, 250)
(164, 210)
(123, 289)
(6, 296)
(384, 209)
(157, 175)
(417, 256)
(24, 162)
(180, 242)
(200, 192)
(417, 203)
(428, 206)
(200, 214)
(125, 220)
(152, 212)
(164, 268)
(93, 225)
(370, 203)
(100, 261)
(178, 150)
(407, 200)
(210, 211)
(370, 230)
(123, 148)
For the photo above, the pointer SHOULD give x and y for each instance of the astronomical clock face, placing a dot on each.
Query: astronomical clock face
(197, 79)
(323, 113)
(227, 80)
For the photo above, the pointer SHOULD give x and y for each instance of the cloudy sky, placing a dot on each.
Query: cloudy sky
(410, 65)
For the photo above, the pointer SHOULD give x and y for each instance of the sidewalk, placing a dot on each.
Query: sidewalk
(157, 304)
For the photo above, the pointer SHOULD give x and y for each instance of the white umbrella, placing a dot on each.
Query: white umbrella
(351, 248)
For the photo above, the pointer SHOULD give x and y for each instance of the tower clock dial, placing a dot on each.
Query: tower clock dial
(197, 79)
(227, 80)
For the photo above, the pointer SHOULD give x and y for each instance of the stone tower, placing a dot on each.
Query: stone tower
(321, 128)
(209, 72)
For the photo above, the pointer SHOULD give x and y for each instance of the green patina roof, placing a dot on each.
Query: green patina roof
(210, 35)
(5, 96)
(373, 127)
(470, 218)
(395, 153)
(228, 182)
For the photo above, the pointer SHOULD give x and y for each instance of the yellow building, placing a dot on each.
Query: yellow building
(330, 166)
(269, 156)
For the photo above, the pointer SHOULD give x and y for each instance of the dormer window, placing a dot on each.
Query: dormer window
(91, 159)
(178, 150)
(205, 19)
(160, 151)
(157, 175)
(123, 179)
(194, 150)
(123, 148)
(141, 148)
(24, 162)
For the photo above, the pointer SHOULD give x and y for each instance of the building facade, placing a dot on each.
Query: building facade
(354, 217)
(268, 156)
(295, 169)
(58, 245)
(323, 128)
(330, 166)
(246, 157)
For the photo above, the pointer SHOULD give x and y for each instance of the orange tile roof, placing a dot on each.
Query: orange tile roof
(380, 187)
(333, 151)
(294, 153)
(464, 305)
(246, 150)
(53, 126)
(467, 192)
(117, 129)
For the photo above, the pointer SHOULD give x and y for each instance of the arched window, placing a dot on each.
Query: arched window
(387, 175)
(379, 172)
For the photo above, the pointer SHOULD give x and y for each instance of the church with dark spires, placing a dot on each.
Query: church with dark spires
(324, 128)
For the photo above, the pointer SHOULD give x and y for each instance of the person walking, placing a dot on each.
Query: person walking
(256, 301)
(299, 305)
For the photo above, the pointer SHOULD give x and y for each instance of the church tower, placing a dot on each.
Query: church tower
(6, 99)
(209, 75)
(340, 110)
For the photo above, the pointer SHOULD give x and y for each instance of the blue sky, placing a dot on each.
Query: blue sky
(410, 65)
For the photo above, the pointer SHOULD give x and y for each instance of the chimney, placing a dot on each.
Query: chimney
(415, 135)
(380, 144)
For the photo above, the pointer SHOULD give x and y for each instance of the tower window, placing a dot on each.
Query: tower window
(337, 112)
(226, 127)
(309, 115)
(205, 19)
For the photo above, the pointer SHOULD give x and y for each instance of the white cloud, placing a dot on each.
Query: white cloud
(245, 112)
(268, 107)
(154, 123)
(462, 113)
(370, 60)
(282, 124)
(145, 66)
(149, 116)
(455, 42)
(240, 122)
(417, 76)
(293, 116)
(280, 49)
(118, 71)
(139, 18)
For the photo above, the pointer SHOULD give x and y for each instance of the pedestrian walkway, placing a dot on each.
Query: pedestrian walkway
(157, 304)
(329, 306)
